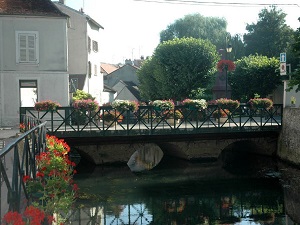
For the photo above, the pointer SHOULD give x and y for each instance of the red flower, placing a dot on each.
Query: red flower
(13, 218)
(26, 178)
(224, 63)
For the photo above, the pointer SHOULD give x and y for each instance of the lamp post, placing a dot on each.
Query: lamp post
(228, 50)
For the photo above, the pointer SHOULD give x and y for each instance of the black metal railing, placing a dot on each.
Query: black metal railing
(17, 159)
(67, 121)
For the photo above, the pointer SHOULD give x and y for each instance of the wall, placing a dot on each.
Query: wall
(289, 139)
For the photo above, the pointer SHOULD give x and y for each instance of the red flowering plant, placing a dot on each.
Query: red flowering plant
(47, 105)
(225, 64)
(53, 189)
(86, 104)
(226, 103)
(31, 216)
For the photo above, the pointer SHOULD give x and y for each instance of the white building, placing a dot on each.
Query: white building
(83, 52)
(33, 56)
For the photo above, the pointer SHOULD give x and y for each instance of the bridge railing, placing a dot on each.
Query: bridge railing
(151, 121)
(17, 159)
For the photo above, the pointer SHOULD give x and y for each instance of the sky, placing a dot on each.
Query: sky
(132, 27)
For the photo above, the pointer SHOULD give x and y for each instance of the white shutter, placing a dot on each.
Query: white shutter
(22, 47)
(31, 48)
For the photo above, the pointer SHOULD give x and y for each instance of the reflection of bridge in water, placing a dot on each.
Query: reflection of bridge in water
(182, 202)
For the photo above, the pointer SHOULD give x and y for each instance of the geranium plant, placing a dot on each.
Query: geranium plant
(225, 64)
(172, 114)
(122, 105)
(221, 113)
(265, 103)
(195, 103)
(47, 105)
(226, 103)
(31, 215)
(52, 188)
(88, 104)
(111, 116)
(163, 104)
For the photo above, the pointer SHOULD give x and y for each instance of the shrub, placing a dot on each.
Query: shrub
(173, 114)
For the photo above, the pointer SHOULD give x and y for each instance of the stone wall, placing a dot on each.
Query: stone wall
(289, 139)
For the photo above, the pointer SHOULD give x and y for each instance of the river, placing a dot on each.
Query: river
(250, 190)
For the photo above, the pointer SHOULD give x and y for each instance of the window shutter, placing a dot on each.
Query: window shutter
(31, 48)
(22, 42)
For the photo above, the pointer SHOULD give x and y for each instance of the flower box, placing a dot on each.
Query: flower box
(160, 105)
(195, 104)
(260, 103)
(123, 105)
(47, 105)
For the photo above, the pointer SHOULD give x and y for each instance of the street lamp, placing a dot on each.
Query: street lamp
(228, 50)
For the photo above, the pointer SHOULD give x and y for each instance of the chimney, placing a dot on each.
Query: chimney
(62, 2)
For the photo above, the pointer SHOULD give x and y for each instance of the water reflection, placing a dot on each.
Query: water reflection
(179, 192)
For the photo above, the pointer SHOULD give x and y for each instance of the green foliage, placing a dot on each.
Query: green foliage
(82, 95)
(225, 103)
(295, 81)
(179, 66)
(270, 35)
(254, 75)
(199, 27)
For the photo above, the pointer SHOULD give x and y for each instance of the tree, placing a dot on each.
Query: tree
(177, 67)
(254, 74)
(197, 26)
(270, 35)
(295, 81)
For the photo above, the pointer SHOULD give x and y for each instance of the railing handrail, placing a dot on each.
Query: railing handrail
(148, 120)
(22, 151)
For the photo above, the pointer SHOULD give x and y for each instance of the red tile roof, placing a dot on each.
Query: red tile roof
(107, 68)
(30, 8)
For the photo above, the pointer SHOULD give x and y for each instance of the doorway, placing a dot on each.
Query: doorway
(28, 93)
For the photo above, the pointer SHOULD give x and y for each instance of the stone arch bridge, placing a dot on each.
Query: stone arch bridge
(193, 147)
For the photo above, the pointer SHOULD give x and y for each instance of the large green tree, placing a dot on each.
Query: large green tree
(270, 35)
(295, 82)
(178, 67)
(254, 74)
(197, 26)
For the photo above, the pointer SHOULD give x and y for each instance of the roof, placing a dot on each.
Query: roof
(88, 18)
(108, 68)
(132, 87)
(108, 89)
(30, 8)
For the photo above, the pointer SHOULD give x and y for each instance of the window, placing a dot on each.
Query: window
(95, 46)
(95, 70)
(27, 47)
(89, 69)
(89, 44)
